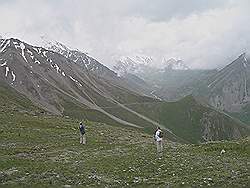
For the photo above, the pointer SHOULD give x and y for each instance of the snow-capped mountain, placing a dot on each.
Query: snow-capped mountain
(173, 64)
(62, 86)
(132, 64)
(140, 63)
(81, 58)
(54, 82)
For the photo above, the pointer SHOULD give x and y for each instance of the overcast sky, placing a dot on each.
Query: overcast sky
(204, 33)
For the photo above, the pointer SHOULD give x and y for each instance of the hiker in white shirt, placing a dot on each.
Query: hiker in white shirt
(158, 138)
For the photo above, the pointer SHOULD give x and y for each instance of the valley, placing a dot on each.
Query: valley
(44, 95)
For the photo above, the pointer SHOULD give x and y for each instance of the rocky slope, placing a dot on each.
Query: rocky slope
(95, 67)
(228, 89)
(62, 86)
(49, 79)
(83, 59)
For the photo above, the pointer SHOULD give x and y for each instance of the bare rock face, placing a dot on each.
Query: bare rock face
(229, 88)
(214, 125)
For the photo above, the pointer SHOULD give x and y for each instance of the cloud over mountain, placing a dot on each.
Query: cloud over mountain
(205, 34)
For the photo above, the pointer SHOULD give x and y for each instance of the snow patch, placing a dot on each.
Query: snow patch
(155, 96)
(38, 62)
(57, 68)
(7, 69)
(72, 78)
(30, 52)
(13, 76)
(3, 64)
(44, 53)
(16, 45)
(36, 50)
(22, 46)
(76, 81)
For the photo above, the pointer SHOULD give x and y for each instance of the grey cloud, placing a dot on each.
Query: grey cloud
(205, 34)
(162, 10)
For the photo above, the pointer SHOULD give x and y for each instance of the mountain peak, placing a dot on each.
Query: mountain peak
(132, 64)
(174, 64)
(55, 46)
(242, 55)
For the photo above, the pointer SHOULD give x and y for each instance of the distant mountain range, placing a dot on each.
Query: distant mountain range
(137, 64)
(226, 89)
(61, 81)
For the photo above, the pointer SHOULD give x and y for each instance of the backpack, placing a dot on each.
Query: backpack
(160, 134)
(82, 129)
(154, 136)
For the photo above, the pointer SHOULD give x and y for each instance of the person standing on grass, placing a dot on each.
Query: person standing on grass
(158, 138)
(82, 133)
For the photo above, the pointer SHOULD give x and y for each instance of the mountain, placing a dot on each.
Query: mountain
(132, 64)
(92, 65)
(55, 82)
(171, 81)
(83, 59)
(58, 85)
(173, 64)
(228, 89)
(139, 64)
(173, 84)
(193, 121)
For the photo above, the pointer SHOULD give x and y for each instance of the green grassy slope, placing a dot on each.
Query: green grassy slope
(243, 115)
(184, 119)
(45, 152)
(10, 100)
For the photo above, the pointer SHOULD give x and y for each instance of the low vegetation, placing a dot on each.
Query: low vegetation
(44, 151)
(40, 150)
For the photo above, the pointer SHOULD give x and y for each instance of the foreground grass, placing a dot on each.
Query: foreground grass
(45, 152)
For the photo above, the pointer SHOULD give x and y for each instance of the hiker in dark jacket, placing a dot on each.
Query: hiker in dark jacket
(82, 133)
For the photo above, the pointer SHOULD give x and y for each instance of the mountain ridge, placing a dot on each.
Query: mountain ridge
(63, 87)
